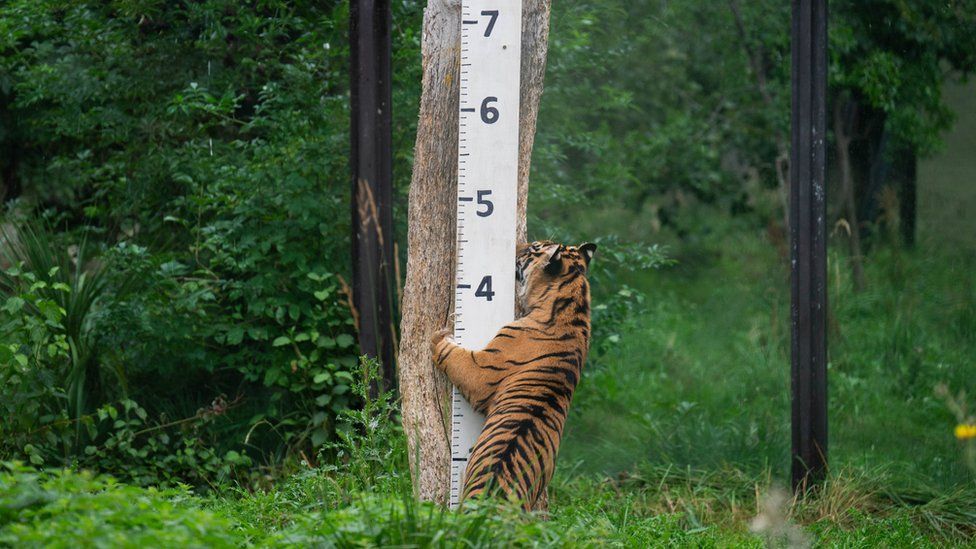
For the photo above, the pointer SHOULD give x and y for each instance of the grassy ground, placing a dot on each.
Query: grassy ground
(651, 507)
(702, 379)
(678, 436)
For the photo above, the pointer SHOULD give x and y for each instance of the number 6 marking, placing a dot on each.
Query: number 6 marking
(489, 114)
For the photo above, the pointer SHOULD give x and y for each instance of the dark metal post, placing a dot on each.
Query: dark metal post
(808, 241)
(372, 184)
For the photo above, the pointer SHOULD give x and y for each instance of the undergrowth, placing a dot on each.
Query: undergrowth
(362, 497)
(700, 379)
(649, 507)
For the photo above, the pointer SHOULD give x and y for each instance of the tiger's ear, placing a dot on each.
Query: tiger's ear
(587, 250)
(553, 259)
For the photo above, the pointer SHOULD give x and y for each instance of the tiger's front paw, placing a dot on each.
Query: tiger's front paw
(436, 339)
(439, 336)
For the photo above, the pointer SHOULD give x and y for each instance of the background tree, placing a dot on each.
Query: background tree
(890, 60)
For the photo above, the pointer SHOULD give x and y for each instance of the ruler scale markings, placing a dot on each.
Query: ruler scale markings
(487, 178)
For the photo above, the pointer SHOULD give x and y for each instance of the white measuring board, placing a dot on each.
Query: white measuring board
(491, 50)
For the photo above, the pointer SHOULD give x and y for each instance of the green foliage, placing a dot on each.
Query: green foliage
(894, 55)
(652, 107)
(70, 294)
(63, 509)
(34, 354)
(699, 378)
(200, 149)
(651, 507)
(635, 112)
(365, 500)
(616, 310)
(370, 448)
(124, 441)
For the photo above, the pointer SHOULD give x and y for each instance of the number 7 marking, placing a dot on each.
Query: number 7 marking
(491, 24)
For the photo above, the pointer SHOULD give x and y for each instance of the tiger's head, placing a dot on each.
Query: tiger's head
(538, 264)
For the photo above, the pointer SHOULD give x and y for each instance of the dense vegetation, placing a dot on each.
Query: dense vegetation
(195, 155)
(174, 244)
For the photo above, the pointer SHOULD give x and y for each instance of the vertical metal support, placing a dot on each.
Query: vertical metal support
(372, 184)
(808, 241)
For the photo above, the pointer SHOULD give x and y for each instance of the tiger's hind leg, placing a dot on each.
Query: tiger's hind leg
(470, 371)
(541, 506)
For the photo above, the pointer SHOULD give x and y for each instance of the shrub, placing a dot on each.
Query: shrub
(202, 150)
(63, 508)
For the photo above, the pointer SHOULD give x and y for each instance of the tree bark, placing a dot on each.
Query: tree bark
(893, 173)
(431, 236)
(908, 196)
(845, 112)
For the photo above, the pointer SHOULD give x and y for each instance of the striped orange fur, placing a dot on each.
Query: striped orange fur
(524, 379)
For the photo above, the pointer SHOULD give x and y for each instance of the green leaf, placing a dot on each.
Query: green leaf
(345, 340)
(281, 340)
(322, 377)
(235, 335)
(319, 437)
(271, 376)
(14, 304)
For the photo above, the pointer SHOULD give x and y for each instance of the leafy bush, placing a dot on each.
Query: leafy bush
(370, 449)
(64, 508)
(201, 150)
(34, 353)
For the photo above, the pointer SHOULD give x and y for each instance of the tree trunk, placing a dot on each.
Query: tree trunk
(889, 202)
(908, 197)
(845, 112)
(431, 237)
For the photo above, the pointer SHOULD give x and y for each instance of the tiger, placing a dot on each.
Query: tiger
(523, 380)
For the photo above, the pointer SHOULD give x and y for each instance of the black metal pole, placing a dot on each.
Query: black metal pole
(372, 179)
(808, 241)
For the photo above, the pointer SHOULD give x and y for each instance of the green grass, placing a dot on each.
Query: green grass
(678, 436)
(650, 507)
(702, 378)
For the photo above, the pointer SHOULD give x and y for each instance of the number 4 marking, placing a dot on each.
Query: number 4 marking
(491, 23)
(484, 289)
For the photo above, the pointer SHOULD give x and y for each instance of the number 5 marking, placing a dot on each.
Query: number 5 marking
(483, 201)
